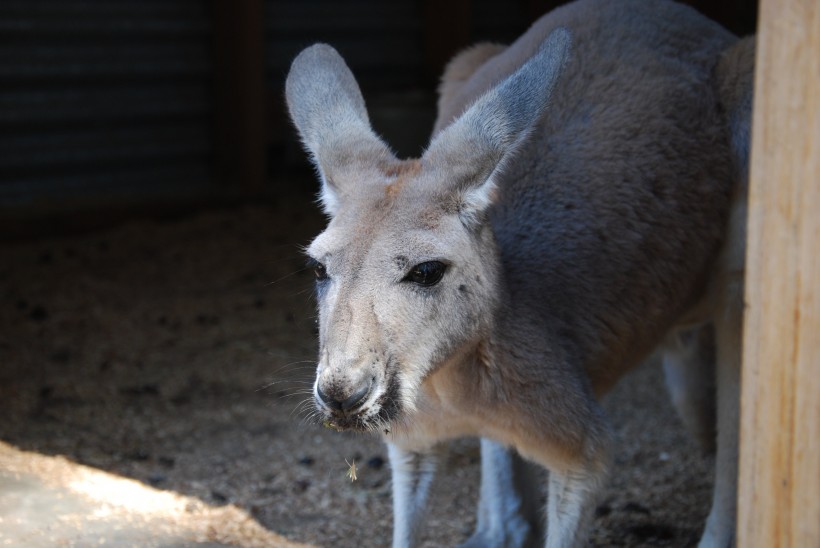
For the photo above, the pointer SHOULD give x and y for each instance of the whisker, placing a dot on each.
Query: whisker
(304, 406)
(286, 382)
(286, 276)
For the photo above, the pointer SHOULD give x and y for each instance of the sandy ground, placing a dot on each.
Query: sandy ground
(51, 501)
(178, 353)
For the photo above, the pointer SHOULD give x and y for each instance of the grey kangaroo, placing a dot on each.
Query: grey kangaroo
(581, 204)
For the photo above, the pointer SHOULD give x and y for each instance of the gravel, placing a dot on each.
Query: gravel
(180, 354)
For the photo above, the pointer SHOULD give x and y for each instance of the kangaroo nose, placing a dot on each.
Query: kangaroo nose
(339, 403)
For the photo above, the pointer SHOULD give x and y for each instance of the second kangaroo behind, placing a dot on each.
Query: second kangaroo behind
(580, 204)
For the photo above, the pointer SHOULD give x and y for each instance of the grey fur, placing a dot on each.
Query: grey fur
(587, 201)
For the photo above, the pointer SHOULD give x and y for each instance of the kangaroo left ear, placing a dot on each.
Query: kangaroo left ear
(475, 146)
(327, 107)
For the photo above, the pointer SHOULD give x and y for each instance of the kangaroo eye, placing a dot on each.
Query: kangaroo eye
(319, 270)
(426, 274)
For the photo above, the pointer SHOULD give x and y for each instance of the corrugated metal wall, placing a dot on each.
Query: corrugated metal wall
(387, 46)
(104, 97)
(106, 101)
(381, 40)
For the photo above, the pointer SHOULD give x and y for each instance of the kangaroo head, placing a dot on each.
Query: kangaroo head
(407, 269)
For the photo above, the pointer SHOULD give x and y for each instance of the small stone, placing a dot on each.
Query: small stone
(654, 531)
(157, 479)
(635, 508)
(376, 462)
(138, 455)
(150, 389)
(61, 356)
(38, 313)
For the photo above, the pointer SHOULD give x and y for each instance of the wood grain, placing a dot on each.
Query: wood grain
(779, 493)
(240, 110)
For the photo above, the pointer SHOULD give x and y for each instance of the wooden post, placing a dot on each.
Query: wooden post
(779, 491)
(446, 31)
(240, 117)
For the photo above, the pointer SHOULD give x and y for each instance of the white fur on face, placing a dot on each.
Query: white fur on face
(376, 325)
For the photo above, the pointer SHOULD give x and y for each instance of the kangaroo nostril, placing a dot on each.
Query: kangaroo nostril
(329, 401)
(357, 399)
(336, 403)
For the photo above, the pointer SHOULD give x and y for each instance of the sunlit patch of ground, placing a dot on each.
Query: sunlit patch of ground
(181, 354)
(51, 501)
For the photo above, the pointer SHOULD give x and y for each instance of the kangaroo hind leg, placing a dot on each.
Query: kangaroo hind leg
(689, 368)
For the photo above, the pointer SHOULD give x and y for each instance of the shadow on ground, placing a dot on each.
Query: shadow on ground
(179, 354)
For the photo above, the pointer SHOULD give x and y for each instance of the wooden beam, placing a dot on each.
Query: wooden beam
(779, 491)
(240, 115)
(446, 31)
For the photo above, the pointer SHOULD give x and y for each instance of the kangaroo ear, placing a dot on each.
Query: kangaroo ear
(474, 147)
(328, 110)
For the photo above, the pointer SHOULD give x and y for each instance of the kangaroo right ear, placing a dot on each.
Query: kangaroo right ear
(476, 145)
(328, 110)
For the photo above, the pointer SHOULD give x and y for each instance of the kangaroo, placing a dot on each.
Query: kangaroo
(580, 204)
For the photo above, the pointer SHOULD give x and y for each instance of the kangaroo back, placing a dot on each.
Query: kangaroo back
(618, 201)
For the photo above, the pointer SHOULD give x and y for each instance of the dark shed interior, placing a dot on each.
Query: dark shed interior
(156, 320)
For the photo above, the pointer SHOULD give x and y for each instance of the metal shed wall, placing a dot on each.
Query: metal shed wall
(396, 50)
(383, 42)
(103, 98)
(124, 101)
(127, 101)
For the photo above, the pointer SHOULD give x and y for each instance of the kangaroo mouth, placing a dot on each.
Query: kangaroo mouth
(348, 424)
(376, 416)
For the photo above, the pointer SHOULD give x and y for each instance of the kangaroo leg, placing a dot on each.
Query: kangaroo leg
(529, 481)
(413, 473)
(570, 505)
(720, 525)
(500, 520)
(689, 368)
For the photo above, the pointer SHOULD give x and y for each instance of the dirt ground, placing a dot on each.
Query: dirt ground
(179, 354)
